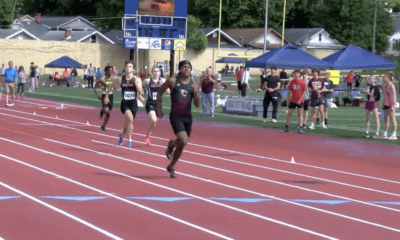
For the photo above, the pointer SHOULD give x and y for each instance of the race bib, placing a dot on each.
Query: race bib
(129, 95)
(154, 96)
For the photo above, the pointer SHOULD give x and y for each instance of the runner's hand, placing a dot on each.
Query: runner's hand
(106, 101)
(196, 87)
(159, 113)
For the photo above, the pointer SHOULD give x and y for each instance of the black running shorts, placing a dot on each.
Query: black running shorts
(181, 123)
(110, 103)
(151, 107)
(129, 105)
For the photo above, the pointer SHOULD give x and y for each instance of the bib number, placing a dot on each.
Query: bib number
(154, 96)
(129, 95)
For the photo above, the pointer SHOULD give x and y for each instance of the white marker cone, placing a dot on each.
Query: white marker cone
(34, 113)
(292, 160)
(62, 105)
(87, 123)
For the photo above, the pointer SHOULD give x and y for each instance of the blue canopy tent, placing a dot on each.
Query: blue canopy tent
(64, 62)
(353, 57)
(287, 57)
(230, 60)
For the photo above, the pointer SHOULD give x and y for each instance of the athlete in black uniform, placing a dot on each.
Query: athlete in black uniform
(183, 91)
(153, 85)
(104, 82)
(131, 87)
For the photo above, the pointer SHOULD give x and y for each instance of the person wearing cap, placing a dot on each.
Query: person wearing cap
(183, 91)
(295, 99)
(317, 87)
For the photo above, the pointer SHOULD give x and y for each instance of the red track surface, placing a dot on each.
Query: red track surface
(222, 160)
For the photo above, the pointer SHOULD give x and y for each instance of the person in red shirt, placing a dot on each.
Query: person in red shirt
(295, 95)
(65, 74)
(239, 78)
(350, 78)
(316, 87)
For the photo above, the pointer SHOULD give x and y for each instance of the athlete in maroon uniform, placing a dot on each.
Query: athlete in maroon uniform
(183, 91)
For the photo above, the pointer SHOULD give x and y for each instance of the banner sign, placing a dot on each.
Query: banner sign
(239, 104)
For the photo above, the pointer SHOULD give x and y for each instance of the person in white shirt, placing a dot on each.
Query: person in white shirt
(37, 76)
(245, 82)
(2, 72)
(90, 76)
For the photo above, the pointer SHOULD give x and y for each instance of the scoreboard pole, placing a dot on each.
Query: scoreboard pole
(171, 63)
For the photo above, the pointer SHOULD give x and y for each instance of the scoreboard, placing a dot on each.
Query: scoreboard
(158, 23)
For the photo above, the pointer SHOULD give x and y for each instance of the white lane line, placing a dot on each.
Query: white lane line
(157, 185)
(57, 209)
(327, 180)
(58, 103)
(222, 184)
(1, 238)
(219, 149)
(116, 197)
(239, 174)
(47, 124)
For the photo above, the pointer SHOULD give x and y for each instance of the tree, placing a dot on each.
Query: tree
(196, 39)
(351, 22)
(6, 8)
(239, 13)
(60, 7)
(110, 10)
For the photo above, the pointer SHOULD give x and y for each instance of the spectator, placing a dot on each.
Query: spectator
(239, 78)
(74, 74)
(272, 86)
(371, 106)
(21, 82)
(327, 95)
(304, 76)
(226, 69)
(37, 76)
(350, 78)
(56, 79)
(244, 82)
(207, 91)
(32, 77)
(357, 80)
(296, 90)
(90, 76)
(99, 73)
(161, 71)
(65, 74)
(9, 78)
(316, 86)
(264, 75)
(389, 106)
(85, 75)
(236, 71)
(211, 72)
(219, 80)
(2, 73)
(283, 76)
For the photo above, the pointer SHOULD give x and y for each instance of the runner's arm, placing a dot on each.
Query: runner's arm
(167, 85)
(98, 84)
(138, 84)
(196, 100)
(110, 88)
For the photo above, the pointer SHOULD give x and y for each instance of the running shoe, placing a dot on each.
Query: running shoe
(274, 120)
(129, 144)
(286, 129)
(265, 120)
(324, 126)
(366, 135)
(120, 140)
(148, 141)
(103, 128)
(170, 148)
(376, 135)
(101, 114)
(301, 130)
(393, 137)
(312, 126)
(171, 172)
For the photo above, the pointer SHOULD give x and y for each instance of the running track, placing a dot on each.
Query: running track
(66, 179)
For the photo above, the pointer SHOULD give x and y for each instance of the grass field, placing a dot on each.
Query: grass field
(344, 122)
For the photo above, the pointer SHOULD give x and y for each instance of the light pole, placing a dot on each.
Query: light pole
(266, 26)
(373, 36)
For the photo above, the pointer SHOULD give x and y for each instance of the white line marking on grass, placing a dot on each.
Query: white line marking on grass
(57, 209)
(157, 185)
(113, 196)
(197, 145)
